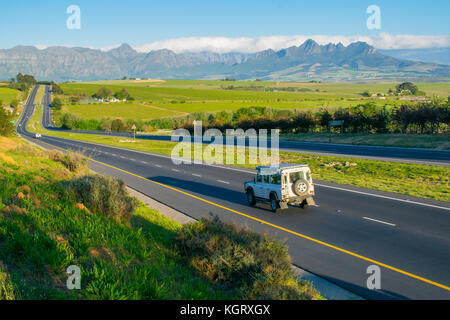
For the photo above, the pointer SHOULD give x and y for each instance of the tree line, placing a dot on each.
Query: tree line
(421, 118)
(364, 118)
(22, 82)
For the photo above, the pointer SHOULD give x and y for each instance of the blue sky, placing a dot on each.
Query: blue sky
(107, 23)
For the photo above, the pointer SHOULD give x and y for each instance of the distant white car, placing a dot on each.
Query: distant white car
(37, 136)
(288, 184)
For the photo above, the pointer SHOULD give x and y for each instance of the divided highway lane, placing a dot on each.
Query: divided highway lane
(336, 240)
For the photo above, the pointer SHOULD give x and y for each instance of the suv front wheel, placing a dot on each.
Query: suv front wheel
(251, 198)
(274, 204)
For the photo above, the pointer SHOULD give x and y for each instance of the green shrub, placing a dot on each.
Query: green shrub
(104, 195)
(27, 150)
(73, 161)
(68, 121)
(6, 126)
(118, 125)
(254, 265)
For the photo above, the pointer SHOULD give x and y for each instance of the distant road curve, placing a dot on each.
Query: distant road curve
(394, 154)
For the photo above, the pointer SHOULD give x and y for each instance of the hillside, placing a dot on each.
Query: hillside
(125, 250)
(309, 61)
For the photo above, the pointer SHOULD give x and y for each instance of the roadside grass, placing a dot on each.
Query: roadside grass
(52, 218)
(428, 141)
(39, 95)
(43, 232)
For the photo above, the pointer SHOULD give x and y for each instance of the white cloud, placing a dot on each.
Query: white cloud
(45, 46)
(251, 45)
(384, 41)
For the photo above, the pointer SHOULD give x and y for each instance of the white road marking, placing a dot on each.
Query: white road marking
(175, 170)
(144, 162)
(224, 182)
(384, 197)
(196, 175)
(379, 221)
(157, 165)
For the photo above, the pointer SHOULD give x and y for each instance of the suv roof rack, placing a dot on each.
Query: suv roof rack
(283, 166)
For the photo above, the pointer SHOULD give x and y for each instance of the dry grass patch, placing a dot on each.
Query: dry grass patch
(7, 159)
(81, 207)
(102, 253)
(14, 209)
(74, 161)
(7, 144)
(39, 179)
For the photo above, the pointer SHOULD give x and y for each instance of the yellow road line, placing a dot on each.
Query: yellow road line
(276, 226)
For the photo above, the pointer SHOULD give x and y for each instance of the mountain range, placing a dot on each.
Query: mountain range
(357, 62)
(433, 55)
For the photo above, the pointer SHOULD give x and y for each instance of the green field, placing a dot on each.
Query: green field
(120, 111)
(7, 95)
(213, 96)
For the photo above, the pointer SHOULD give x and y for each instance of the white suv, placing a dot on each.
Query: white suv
(287, 184)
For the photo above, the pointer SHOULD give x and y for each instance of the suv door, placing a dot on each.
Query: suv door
(258, 187)
(275, 185)
(264, 187)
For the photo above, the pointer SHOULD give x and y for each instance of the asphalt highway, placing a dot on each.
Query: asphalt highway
(350, 230)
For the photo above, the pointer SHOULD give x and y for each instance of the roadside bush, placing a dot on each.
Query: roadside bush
(118, 125)
(148, 128)
(254, 265)
(6, 127)
(27, 150)
(57, 104)
(103, 195)
(68, 121)
(106, 125)
(73, 161)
